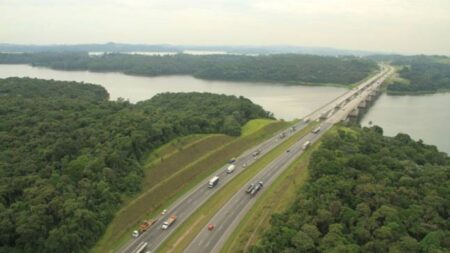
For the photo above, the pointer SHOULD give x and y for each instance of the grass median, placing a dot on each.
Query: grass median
(181, 238)
(183, 163)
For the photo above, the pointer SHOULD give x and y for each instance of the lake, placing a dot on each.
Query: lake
(286, 102)
(424, 117)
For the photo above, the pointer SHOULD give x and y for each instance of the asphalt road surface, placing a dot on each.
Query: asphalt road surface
(192, 200)
(228, 218)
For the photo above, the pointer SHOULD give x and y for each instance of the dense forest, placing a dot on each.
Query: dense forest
(68, 155)
(368, 193)
(424, 74)
(283, 68)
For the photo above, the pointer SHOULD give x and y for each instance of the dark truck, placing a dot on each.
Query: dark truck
(252, 189)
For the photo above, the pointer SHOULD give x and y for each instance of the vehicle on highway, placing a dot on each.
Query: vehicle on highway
(141, 247)
(306, 145)
(210, 227)
(213, 182)
(323, 115)
(293, 128)
(169, 222)
(230, 169)
(250, 188)
(282, 135)
(144, 226)
(316, 130)
(306, 120)
(256, 152)
(232, 160)
(256, 189)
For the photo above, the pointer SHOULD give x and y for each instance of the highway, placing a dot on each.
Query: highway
(192, 200)
(227, 219)
(187, 204)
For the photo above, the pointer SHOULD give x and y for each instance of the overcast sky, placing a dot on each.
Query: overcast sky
(406, 26)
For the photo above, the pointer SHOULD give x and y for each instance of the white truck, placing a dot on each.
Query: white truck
(213, 182)
(316, 130)
(230, 169)
(306, 145)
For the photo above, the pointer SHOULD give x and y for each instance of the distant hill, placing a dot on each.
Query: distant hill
(122, 47)
(418, 73)
(293, 69)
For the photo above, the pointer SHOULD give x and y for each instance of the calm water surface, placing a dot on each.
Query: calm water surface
(287, 102)
(424, 117)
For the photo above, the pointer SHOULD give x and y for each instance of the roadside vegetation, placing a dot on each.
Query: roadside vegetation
(419, 74)
(294, 69)
(277, 198)
(367, 193)
(184, 234)
(69, 156)
(185, 168)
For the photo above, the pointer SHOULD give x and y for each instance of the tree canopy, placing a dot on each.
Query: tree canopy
(284, 68)
(424, 74)
(68, 155)
(367, 193)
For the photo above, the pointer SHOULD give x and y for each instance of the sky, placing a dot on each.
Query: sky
(402, 26)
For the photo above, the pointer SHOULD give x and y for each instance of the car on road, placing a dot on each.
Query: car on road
(250, 188)
(256, 152)
(316, 130)
(256, 189)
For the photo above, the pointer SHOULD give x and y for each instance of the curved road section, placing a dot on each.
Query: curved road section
(192, 200)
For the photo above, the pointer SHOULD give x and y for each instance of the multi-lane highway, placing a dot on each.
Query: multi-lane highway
(192, 200)
(227, 219)
(186, 205)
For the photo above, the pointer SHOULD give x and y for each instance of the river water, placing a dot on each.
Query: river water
(286, 102)
(424, 117)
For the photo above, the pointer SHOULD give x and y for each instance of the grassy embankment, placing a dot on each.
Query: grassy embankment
(181, 238)
(183, 162)
(279, 196)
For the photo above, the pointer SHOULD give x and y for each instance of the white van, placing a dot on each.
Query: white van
(213, 182)
(230, 169)
(306, 145)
